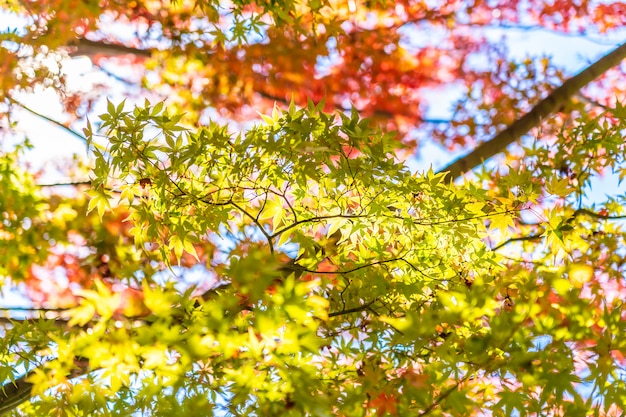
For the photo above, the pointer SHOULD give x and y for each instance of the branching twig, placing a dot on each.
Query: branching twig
(588, 100)
(416, 221)
(538, 236)
(298, 268)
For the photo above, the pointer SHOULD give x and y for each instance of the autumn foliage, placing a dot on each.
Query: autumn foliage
(244, 236)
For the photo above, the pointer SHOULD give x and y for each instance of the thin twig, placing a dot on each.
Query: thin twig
(518, 239)
(65, 184)
(360, 308)
(48, 119)
(590, 213)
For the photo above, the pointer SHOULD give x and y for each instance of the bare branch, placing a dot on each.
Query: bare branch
(553, 102)
(590, 213)
(85, 47)
(360, 308)
(587, 100)
(14, 393)
(46, 118)
(518, 239)
(65, 184)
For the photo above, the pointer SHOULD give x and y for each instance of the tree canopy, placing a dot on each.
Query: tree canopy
(244, 236)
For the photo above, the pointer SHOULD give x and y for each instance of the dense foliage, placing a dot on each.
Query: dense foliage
(205, 260)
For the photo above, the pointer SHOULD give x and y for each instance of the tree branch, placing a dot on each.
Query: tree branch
(518, 239)
(540, 235)
(444, 394)
(590, 213)
(65, 184)
(360, 308)
(89, 48)
(18, 391)
(46, 118)
(532, 119)
(14, 393)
